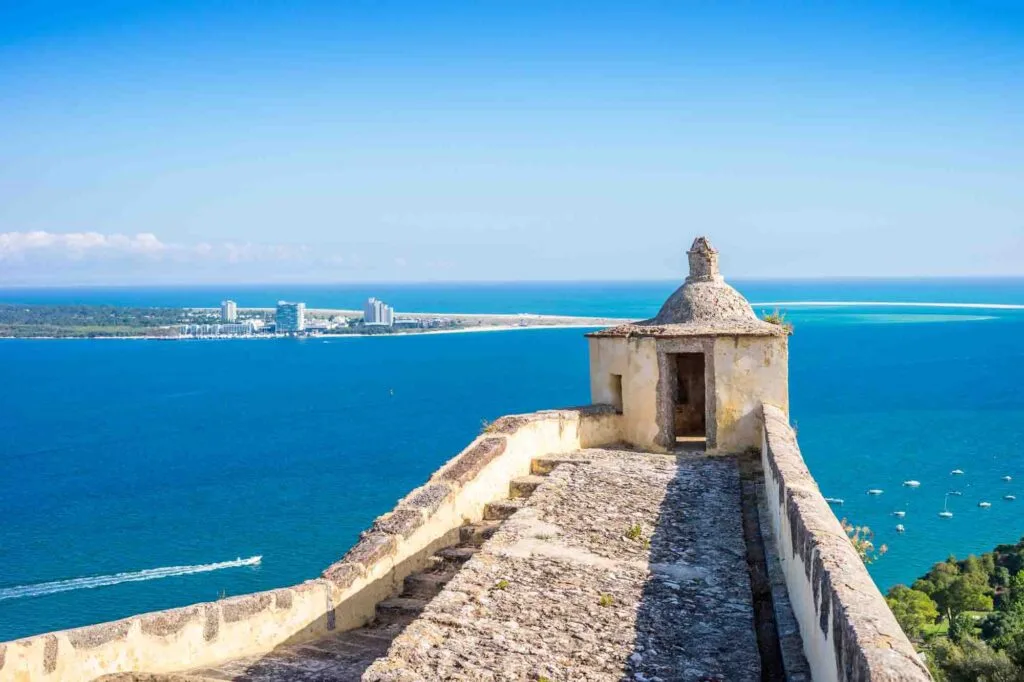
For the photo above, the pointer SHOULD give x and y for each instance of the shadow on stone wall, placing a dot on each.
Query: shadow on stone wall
(696, 616)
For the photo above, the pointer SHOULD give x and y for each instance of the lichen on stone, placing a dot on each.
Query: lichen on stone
(94, 635)
(468, 464)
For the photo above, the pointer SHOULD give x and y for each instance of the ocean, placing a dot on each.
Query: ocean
(142, 475)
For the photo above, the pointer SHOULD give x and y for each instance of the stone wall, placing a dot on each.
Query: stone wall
(345, 595)
(635, 360)
(741, 372)
(847, 629)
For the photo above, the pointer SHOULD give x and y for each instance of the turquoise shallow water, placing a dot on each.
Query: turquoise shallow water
(125, 456)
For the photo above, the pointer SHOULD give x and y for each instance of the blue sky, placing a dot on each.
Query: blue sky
(158, 142)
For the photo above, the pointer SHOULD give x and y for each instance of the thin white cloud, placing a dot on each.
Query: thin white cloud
(85, 258)
(82, 246)
(77, 245)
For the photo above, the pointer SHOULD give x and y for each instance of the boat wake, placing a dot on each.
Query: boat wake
(40, 589)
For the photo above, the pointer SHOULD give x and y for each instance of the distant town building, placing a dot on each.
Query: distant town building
(290, 317)
(228, 311)
(378, 313)
(237, 329)
(319, 324)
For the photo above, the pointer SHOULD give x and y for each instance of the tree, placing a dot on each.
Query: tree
(971, 661)
(1015, 600)
(968, 592)
(961, 626)
(913, 609)
(936, 581)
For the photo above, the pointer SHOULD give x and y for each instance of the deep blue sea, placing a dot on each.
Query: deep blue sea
(124, 461)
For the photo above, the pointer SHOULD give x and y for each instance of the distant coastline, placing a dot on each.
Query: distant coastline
(53, 322)
(319, 337)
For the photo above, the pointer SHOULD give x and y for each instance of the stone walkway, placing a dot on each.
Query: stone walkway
(619, 565)
(622, 566)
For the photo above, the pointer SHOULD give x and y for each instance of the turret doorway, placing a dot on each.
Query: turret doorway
(690, 399)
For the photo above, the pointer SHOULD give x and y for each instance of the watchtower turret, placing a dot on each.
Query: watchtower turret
(696, 373)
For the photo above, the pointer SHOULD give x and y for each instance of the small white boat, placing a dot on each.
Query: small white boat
(899, 514)
(1007, 478)
(900, 528)
(875, 491)
(955, 492)
(1011, 498)
(957, 472)
(946, 514)
(835, 500)
(912, 483)
(985, 504)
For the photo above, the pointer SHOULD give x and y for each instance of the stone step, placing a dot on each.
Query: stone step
(476, 534)
(524, 486)
(458, 555)
(499, 511)
(542, 466)
(426, 585)
(371, 639)
(401, 606)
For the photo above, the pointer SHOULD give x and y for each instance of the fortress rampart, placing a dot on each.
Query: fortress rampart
(847, 630)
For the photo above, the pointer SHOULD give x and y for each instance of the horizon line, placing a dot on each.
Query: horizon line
(369, 282)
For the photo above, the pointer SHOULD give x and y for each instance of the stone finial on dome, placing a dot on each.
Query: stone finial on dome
(703, 262)
(705, 298)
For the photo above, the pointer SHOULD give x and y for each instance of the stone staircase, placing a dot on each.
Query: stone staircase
(344, 656)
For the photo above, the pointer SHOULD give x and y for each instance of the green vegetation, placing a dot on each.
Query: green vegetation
(634, 532)
(502, 584)
(92, 320)
(967, 616)
(778, 317)
(914, 610)
(606, 600)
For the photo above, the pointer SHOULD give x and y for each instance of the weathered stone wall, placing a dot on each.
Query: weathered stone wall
(749, 371)
(636, 361)
(345, 595)
(847, 629)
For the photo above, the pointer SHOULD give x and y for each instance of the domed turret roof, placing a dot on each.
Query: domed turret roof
(703, 306)
(704, 296)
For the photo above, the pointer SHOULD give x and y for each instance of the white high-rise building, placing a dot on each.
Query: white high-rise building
(290, 317)
(378, 313)
(228, 311)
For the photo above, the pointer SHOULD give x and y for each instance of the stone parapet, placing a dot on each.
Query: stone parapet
(346, 594)
(848, 631)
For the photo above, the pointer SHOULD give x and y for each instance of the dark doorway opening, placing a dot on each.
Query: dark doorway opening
(689, 420)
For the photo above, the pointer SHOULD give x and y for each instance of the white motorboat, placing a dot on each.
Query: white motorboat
(912, 483)
(875, 491)
(957, 472)
(900, 528)
(986, 505)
